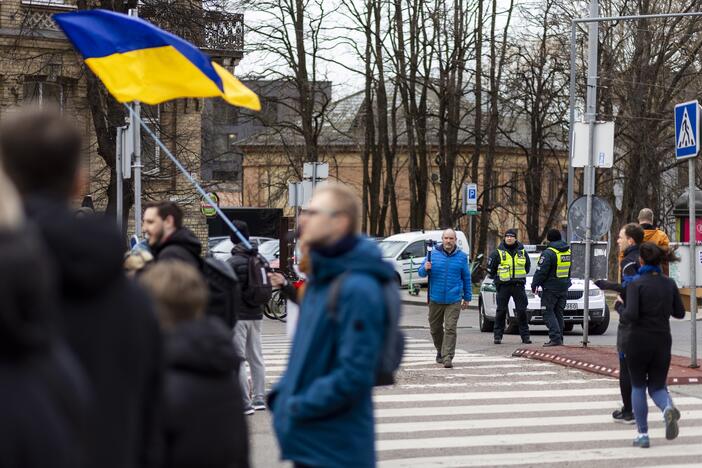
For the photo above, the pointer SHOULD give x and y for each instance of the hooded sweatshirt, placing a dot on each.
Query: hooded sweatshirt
(322, 407)
(182, 245)
(204, 423)
(545, 275)
(109, 323)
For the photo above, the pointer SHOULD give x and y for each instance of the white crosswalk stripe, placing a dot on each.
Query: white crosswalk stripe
(504, 411)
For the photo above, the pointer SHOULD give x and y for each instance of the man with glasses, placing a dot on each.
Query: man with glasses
(508, 266)
(327, 387)
(450, 291)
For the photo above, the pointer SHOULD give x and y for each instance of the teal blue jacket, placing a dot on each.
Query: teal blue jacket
(322, 407)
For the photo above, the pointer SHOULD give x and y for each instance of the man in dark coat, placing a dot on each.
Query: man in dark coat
(630, 238)
(204, 425)
(108, 322)
(167, 237)
(509, 265)
(553, 275)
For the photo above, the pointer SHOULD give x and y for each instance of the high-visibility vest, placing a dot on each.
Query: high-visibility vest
(563, 260)
(512, 267)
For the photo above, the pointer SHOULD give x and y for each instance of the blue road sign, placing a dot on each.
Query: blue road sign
(470, 198)
(687, 130)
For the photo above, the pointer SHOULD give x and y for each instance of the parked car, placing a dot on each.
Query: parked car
(409, 249)
(575, 306)
(223, 250)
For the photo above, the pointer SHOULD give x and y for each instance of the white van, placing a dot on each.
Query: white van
(401, 250)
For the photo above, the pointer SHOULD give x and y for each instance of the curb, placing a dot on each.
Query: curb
(590, 367)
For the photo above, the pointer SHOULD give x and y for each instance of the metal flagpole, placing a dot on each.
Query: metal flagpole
(120, 176)
(194, 183)
(135, 112)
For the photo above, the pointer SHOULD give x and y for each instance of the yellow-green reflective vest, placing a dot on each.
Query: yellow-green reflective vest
(563, 260)
(512, 267)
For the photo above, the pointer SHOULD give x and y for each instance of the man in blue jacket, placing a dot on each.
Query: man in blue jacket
(322, 406)
(449, 292)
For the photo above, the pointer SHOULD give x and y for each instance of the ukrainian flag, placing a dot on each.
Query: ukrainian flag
(139, 62)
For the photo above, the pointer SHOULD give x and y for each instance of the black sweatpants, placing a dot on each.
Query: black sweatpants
(625, 383)
(516, 292)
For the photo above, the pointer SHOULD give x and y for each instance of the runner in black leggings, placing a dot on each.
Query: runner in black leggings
(651, 300)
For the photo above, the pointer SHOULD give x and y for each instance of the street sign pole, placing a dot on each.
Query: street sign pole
(120, 176)
(687, 146)
(136, 135)
(693, 262)
(593, 30)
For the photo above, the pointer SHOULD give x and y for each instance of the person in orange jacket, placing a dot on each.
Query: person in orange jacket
(653, 235)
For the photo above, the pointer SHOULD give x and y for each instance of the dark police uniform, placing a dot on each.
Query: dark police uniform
(508, 266)
(553, 275)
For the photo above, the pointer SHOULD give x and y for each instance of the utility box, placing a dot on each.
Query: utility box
(599, 259)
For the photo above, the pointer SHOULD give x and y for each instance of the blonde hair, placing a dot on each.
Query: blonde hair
(178, 289)
(346, 202)
(10, 206)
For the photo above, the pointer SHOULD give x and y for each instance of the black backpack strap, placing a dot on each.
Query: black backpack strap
(333, 296)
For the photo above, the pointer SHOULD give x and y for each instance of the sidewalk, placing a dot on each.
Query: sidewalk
(604, 360)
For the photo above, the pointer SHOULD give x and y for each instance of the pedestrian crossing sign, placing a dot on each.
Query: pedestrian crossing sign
(687, 130)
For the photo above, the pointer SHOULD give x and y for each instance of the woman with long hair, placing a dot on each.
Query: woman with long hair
(651, 300)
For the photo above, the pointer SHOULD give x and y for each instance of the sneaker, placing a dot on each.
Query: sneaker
(448, 364)
(249, 410)
(439, 359)
(498, 341)
(671, 415)
(259, 405)
(551, 343)
(641, 440)
(527, 341)
(623, 417)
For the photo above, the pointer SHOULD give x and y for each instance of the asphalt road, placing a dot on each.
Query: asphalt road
(495, 410)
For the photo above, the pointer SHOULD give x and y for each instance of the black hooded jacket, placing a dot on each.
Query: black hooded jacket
(204, 424)
(239, 261)
(494, 263)
(44, 394)
(182, 245)
(109, 323)
(545, 275)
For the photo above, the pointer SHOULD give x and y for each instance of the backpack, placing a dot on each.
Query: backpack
(393, 347)
(224, 290)
(259, 290)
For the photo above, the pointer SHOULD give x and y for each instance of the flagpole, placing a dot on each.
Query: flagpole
(190, 178)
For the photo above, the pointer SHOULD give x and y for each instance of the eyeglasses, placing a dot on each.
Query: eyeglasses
(316, 211)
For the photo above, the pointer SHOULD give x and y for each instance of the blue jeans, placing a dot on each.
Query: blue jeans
(554, 303)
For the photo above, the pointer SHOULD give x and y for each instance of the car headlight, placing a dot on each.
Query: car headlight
(595, 292)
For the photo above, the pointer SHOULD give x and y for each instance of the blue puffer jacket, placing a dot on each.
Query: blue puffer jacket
(322, 407)
(450, 276)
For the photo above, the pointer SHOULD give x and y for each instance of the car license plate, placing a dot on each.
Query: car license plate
(571, 307)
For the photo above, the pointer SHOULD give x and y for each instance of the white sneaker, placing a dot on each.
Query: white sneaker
(249, 410)
(259, 405)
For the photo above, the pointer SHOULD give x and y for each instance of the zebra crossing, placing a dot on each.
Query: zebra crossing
(504, 411)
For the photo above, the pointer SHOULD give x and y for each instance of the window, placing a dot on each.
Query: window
(414, 250)
(226, 176)
(150, 151)
(43, 93)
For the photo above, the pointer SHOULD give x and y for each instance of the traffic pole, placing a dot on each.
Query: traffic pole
(693, 262)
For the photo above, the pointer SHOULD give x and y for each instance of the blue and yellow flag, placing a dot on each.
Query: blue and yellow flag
(139, 62)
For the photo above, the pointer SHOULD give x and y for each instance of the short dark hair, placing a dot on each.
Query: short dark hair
(167, 208)
(243, 228)
(40, 150)
(634, 231)
(651, 254)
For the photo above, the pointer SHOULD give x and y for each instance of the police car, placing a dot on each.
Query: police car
(573, 314)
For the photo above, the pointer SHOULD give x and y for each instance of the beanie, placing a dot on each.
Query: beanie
(511, 232)
(553, 235)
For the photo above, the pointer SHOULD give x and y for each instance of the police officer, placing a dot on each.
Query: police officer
(508, 266)
(553, 276)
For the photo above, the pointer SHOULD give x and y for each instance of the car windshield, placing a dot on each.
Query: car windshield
(390, 249)
(268, 249)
